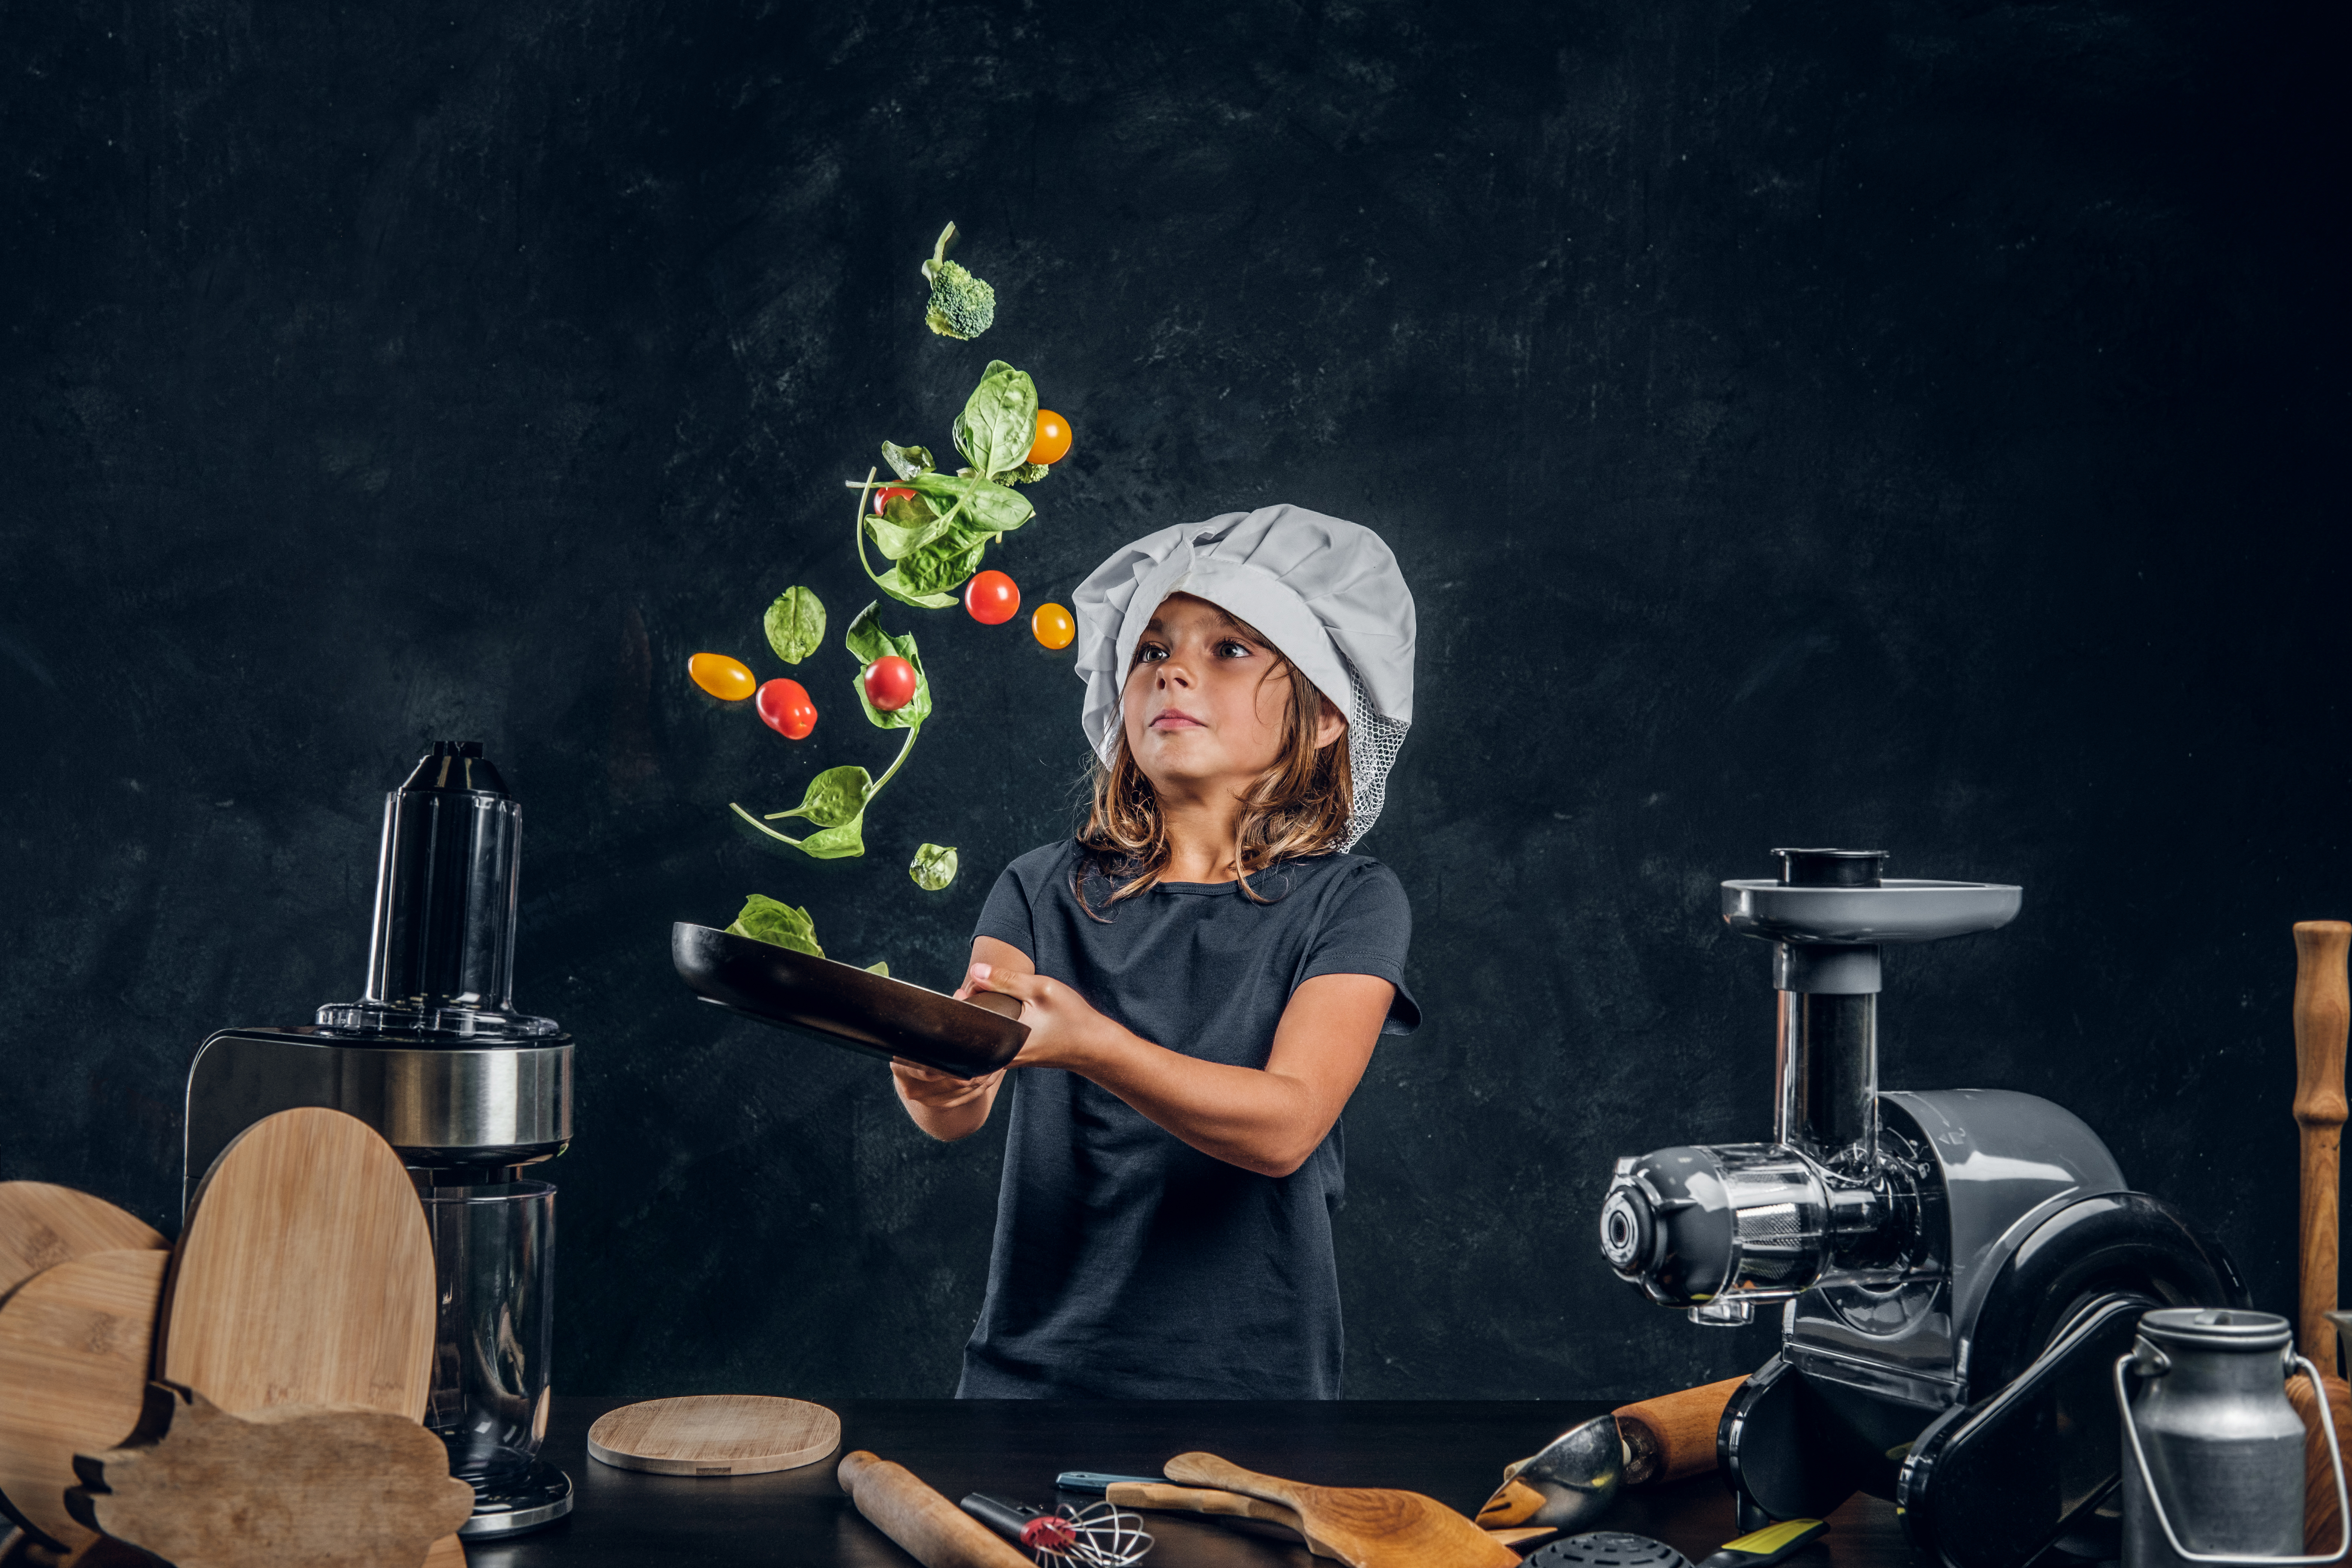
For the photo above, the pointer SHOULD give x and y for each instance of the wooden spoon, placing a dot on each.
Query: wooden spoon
(41, 1226)
(1367, 1527)
(74, 1344)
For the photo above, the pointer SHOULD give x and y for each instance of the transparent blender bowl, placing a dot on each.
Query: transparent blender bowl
(494, 1254)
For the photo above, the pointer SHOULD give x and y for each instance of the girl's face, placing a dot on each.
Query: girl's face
(1205, 700)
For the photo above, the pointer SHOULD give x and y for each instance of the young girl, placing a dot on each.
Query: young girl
(1208, 968)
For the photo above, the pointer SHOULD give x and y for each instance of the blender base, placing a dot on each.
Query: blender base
(513, 1504)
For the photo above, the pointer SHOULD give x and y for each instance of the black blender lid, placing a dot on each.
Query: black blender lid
(454, 766)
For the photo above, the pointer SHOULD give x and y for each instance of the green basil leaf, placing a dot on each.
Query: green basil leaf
(836, 843)
(766, 919)
(1027, 474)
(979, 503)
(835, 797)
(999, 422)
(906, 461)
(796, 625)
(934, 867)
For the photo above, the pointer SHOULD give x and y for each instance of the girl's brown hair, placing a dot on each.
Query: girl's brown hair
(1297, 807)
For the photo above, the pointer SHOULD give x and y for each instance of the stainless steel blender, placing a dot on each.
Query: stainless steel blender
(1956, 1270)
(468, 1090)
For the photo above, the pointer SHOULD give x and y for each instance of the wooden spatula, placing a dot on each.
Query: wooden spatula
(42, 1225)
(75, 1345)
(1367, 1527)
(305, 1275)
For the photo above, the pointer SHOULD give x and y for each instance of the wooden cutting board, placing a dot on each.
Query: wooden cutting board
(42, 1225)
(715, 1434)
(305, 1274)
(76, 1341)
(1366, 1527)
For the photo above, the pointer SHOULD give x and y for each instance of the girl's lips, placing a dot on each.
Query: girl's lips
(1173, 719)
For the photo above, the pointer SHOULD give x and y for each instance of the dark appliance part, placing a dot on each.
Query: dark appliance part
(1927, 1251)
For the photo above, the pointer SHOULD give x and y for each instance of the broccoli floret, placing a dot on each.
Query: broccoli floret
(961, 305)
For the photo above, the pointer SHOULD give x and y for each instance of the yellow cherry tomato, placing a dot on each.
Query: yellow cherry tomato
(1053, 625)
(1053, 443)
(728, 679)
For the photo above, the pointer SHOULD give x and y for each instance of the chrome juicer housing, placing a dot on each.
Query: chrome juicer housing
(1950, 1265)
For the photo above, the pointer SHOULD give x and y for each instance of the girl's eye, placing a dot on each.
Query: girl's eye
(1150, 653)
(1231, 649)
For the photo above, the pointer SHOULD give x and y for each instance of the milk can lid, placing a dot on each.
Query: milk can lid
(2216, 1329)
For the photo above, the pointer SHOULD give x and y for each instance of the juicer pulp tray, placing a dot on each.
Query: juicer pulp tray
(1899, 909)
(843, 1005)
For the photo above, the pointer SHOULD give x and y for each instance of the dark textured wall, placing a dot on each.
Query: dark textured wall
(1904, 424)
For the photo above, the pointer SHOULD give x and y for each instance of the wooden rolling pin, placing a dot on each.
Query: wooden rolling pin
(2321, 1010)
(934, 1532)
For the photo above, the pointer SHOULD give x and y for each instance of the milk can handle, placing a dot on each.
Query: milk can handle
(2155, 1497)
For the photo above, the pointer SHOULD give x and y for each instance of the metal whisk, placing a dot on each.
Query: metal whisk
(1096, 1536)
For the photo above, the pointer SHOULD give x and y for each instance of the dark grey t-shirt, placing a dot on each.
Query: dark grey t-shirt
(1129, 1265)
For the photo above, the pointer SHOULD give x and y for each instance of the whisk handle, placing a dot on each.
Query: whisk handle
(1007, 1519)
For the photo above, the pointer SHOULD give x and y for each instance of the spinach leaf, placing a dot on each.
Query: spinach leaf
(905, 527)
(836, 797)
(796, 625)
(836, 843)
(894, 582)
(934, 867)
(906, 461)
(765, 920)
(978, 503)
(999, 422)
(867, 641)
(945, 565)
(880, 968)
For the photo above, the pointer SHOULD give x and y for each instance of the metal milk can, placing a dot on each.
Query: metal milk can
(2213, 1454)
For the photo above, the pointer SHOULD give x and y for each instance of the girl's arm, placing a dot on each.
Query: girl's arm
(1264, 1119)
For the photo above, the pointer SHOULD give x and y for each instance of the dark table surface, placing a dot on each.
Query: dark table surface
(1454, 1451)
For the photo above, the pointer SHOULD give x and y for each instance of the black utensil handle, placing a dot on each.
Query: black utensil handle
(1006, 1519)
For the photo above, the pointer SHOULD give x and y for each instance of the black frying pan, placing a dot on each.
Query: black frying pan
(843, 1005)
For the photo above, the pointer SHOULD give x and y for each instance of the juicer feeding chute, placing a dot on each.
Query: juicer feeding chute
(1950, 1265)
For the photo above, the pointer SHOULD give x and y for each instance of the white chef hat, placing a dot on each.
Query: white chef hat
(1326, 593)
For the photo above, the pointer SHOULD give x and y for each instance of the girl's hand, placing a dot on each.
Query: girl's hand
(919, 1085)
(1064, 1030)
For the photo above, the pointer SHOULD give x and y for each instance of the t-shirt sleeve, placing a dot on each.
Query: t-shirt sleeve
(1006, 915)
(1365, 930)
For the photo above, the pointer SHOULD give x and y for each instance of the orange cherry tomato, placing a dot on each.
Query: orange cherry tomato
(728, 679)
(889, 683)
(992, 599)
(887, 494)
(1053, 625)
(785, 708)
(1053, 442)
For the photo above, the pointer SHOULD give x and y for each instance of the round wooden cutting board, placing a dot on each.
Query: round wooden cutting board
(76, 1341)
(305, 1275)
(41, 1226)
(715, 1434)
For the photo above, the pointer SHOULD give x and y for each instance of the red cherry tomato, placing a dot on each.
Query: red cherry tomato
(1053, 442)
(889, 683)
(992, 599)
(887, 494)
(785, 708)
